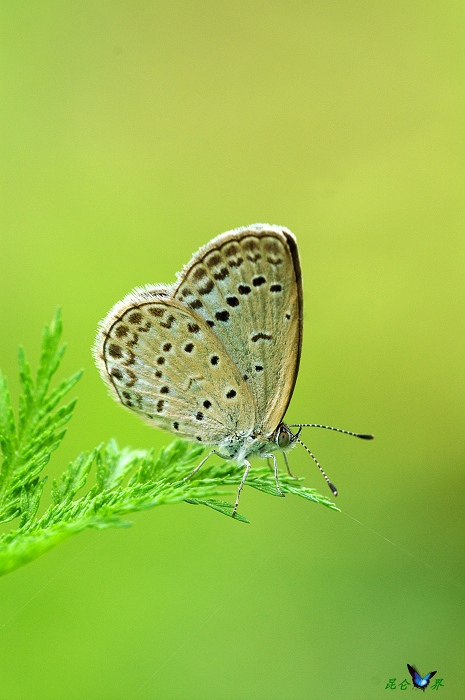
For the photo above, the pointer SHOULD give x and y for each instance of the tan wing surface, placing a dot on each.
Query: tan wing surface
(246, 284)
(163, 362)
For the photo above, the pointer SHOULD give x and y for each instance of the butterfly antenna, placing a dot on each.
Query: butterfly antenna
(330, 484)
(363, 436)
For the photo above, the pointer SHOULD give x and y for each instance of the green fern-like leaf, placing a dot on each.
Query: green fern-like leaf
(26, 447)
(126, 480)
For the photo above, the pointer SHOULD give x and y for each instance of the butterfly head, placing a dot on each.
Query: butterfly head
(284, 437)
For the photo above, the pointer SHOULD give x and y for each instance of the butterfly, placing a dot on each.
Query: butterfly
(418, 681)
(214, 357)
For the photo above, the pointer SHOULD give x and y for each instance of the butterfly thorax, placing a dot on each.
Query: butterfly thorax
(239, 446)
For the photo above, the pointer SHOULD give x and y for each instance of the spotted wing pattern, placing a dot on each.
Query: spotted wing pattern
(165, 363)
(246, 285)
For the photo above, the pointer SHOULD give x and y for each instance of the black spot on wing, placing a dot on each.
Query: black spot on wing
(244, 289)
(261, 336)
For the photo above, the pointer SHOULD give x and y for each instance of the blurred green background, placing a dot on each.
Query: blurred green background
(132, 133)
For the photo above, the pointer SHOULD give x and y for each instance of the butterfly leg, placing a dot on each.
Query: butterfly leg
(275, 463)
(288, 468)
(213, 452)
(244, 477)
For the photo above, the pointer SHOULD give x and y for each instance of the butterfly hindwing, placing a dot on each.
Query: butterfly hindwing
(164, 362)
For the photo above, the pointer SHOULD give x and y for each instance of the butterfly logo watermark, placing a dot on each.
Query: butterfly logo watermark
(418, 681)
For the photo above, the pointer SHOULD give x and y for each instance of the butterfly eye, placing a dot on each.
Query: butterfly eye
(283, 438)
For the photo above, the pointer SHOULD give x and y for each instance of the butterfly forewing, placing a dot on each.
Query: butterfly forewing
(165, 363)
(246, 284)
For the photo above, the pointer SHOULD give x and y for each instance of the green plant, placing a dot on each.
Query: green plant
(126, 480)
